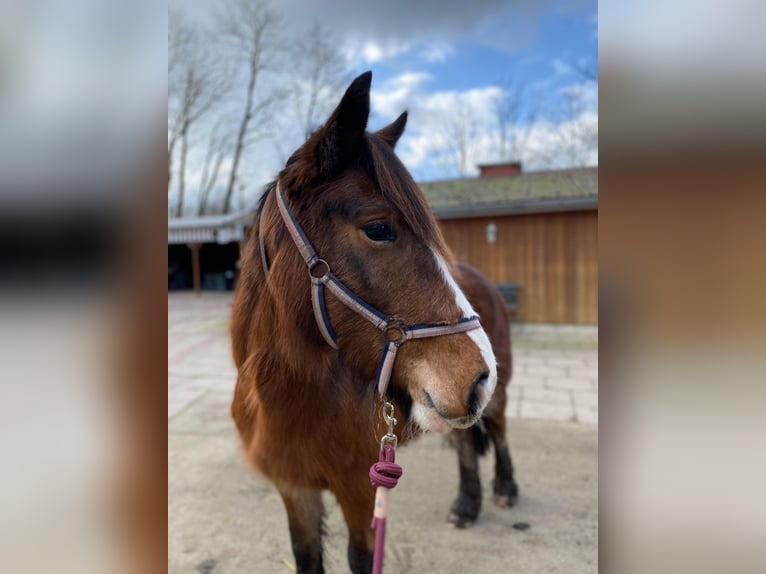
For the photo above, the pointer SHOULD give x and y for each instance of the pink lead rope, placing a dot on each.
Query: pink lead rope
(384, 474)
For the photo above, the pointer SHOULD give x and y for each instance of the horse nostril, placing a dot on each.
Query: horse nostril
(473, 401)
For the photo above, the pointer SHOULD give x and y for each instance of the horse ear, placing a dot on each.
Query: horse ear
(343, 132)
(393, 131)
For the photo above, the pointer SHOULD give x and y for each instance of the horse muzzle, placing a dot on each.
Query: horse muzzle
(433, 413)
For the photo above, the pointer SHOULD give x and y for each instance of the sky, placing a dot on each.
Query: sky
(448, 62)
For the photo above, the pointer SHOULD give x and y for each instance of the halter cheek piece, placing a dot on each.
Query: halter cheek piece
(395, 331)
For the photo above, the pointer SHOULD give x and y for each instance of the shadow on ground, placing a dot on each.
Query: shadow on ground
(224, 519)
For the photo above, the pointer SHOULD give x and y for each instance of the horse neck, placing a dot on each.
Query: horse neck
(284, 332)
(294, 366)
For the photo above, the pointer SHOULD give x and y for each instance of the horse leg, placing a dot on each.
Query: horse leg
(357, 501)
(305, 513)
(504, 487)
(465, 509)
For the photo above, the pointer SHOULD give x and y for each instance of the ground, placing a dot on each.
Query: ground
(224, 518)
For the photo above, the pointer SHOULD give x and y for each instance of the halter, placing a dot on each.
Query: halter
(322, 279)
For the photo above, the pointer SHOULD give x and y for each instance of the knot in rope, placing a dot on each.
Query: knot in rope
(385, 472)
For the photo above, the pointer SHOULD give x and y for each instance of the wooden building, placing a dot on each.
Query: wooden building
(535, 230)
(203, 252)
(538, 230)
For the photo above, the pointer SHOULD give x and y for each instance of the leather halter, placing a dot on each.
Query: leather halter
(395, 331)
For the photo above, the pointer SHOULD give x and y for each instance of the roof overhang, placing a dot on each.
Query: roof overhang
(517, 208)
(209, 229)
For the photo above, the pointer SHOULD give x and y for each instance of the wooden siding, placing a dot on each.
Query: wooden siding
(553, 256)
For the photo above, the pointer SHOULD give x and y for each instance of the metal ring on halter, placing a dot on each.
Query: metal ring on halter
(396, 328)
(316, 263)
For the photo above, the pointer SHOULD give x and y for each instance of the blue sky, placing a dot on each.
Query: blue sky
(462, 62)
(471, 62)
(449, 63)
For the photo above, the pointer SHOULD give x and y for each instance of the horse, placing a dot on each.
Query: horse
(474, 441)
(345, 263)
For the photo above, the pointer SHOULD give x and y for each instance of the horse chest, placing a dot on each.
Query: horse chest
(310, 451)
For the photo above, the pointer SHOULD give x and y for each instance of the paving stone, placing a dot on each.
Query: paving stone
(180, 398)
(569, 383)
(546, 396)
(529, 359)
(545, 371)
(535, 410)
(566, 361)
(586, 415)
(524, 380)
(513, 393)
(585, 399)
(512, 409)
(215, 383)
(583, 372)
(587, 352)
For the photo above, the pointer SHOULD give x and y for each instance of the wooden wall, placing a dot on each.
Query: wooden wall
(554, 256)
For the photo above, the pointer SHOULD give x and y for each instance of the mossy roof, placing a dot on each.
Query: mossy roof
(557, 186)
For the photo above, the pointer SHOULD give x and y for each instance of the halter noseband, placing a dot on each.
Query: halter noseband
(394, 330)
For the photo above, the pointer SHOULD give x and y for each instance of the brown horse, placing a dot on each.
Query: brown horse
(471, 442)
(305, 402)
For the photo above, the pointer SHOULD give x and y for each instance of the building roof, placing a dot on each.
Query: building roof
(530, 192)
(209, 228)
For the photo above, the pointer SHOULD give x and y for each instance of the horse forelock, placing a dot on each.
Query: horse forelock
(379, 162)
(399, 188)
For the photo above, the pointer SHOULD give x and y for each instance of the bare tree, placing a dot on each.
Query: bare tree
(217, 150)
(578, 135)
(196, 86)
(459, 131)
(516, 112)
(318, 76)
(179, 39)
(587, 69)
(249, 27)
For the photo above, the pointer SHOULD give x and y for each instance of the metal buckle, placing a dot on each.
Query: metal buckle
(395, 333)
(316, 263)
(388, 416)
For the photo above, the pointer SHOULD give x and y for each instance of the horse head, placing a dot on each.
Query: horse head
(364, 215)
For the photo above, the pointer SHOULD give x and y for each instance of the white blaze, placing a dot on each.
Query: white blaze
(478, 336)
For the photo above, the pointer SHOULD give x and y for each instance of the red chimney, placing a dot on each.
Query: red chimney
(495, 169)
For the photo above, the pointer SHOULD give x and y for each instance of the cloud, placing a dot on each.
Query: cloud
(560, 67)
(373, 52)
(397, 93)
(408, 36)
(504, 24)
(584, 93)
(427, 147)
(437, 52)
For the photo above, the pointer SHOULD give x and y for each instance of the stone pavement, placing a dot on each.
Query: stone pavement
(555, 373)
(223, 518)
(555, 367)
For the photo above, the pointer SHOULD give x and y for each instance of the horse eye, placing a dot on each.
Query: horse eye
(379, 231)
